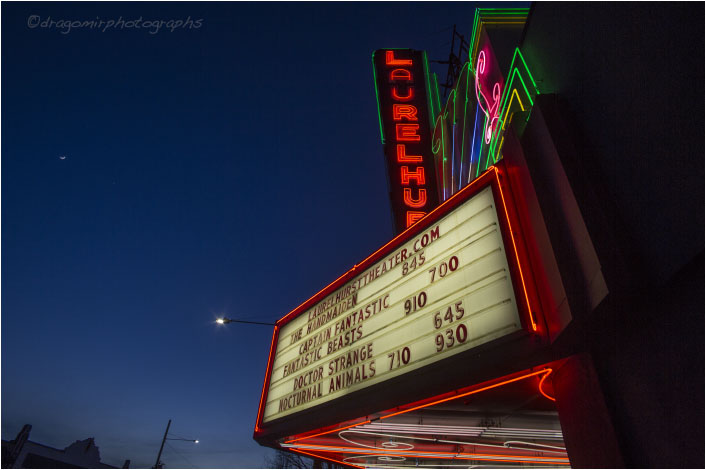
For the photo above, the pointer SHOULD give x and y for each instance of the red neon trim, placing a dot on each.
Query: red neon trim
(410, 94)
(438, 455)
(402, 156)
(401, 74)
(406, 111)
(541, 382)
(357, 450)
(472, 392)
(390, 59)
(514, 246)
(545, 371)
(416, 203)
(407, 132)
(270, 360)
(327, 458)
(328, 432)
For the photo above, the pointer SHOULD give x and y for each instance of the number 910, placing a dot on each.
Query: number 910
(415, 302)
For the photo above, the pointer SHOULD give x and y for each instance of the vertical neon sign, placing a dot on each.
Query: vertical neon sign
(405, 112)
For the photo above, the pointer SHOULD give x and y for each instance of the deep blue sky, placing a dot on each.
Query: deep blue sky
(232, 169)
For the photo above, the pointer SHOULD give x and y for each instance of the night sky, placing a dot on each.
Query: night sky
(153, 182)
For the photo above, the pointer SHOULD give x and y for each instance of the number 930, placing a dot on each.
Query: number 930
(450, 337)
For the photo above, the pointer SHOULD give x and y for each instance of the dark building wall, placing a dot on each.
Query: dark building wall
(628, 86)
(632, 75)
(40, 461)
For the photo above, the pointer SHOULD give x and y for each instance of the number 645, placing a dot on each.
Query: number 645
(448, 316)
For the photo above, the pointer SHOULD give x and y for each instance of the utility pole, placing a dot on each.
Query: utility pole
(164, 439)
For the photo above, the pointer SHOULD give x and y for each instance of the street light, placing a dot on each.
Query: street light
(158, 464)
(224, 320)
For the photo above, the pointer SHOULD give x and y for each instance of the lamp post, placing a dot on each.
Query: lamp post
(224, 320)
(221, 321)
(157, 464)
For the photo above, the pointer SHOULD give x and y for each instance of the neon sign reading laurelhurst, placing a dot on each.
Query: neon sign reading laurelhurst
(402, 89)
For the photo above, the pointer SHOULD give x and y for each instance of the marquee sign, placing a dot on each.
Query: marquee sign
(403, 93)
(446, 287)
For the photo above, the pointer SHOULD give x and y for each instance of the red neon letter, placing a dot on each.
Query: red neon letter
(410, 94)
(407, 111)
(401, 74)
(402, 156)
(417, 175)
(390, 59)
(412, 202)
(414, 216)
(407, 132)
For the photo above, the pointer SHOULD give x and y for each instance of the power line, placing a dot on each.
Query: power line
(181, 455)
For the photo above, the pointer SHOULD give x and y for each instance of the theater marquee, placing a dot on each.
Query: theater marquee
(423, 298)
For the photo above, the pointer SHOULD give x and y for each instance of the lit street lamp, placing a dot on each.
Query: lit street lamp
(159, 464)
(224, 320)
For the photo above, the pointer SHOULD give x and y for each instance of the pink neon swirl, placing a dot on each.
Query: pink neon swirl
(492, 110)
